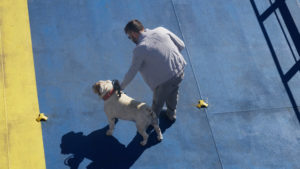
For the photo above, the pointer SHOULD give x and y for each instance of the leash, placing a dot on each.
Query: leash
(117, 86)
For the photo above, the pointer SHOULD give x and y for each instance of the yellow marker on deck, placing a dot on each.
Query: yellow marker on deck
(202, 104)
(21, 143)
(41, 117)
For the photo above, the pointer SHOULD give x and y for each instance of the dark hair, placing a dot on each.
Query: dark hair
(134, 26)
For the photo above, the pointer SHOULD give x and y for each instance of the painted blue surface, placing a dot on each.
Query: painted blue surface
(247, 67)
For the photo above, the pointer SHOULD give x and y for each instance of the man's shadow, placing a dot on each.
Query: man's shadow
(106, 152)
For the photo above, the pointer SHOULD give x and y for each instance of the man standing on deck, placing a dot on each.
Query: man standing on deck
(157, 57)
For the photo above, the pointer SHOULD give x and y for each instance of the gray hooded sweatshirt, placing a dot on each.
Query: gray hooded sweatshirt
(157, 57)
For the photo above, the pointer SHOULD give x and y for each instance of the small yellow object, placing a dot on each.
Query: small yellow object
(41, 117)
(202, 104)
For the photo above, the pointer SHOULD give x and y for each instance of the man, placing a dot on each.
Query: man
(157, 57)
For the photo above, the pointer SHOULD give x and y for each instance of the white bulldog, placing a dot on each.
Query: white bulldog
(123, 107)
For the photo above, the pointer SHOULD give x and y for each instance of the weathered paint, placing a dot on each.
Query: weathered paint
(21, 144)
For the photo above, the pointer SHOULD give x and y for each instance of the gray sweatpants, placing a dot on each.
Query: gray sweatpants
(167, 92)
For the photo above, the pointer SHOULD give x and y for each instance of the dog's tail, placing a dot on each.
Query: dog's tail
(152, 113)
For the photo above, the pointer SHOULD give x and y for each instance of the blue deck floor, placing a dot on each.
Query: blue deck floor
(243, 56)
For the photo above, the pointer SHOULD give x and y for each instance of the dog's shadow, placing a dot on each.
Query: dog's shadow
(106, 152)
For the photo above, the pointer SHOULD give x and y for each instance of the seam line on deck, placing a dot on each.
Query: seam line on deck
(256, 110)
(188, 55)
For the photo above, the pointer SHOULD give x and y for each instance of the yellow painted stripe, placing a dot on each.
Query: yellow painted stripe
(21, 143)
(3, 122)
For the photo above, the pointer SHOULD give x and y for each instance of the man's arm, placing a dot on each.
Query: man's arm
(177, 41)
(136, 63)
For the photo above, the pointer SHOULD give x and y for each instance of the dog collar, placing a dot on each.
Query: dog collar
(107, 95)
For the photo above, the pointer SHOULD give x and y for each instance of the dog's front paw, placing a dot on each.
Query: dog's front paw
(109, 132)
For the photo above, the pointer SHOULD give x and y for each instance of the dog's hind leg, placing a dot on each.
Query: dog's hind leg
(142, 132)
(111, 126)
(154, 123)
(158, 131)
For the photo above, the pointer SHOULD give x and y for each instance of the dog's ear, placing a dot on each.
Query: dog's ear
(96, 88)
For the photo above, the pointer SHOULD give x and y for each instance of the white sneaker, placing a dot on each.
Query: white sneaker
(171, 115)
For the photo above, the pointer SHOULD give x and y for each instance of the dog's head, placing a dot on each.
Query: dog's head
(102, 87)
